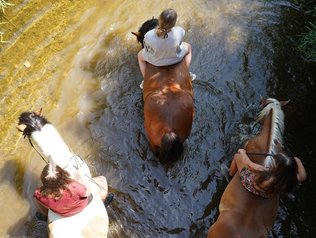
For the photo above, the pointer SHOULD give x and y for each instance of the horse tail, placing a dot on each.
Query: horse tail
(171, 147)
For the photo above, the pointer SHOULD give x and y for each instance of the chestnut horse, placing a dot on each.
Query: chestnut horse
(93, 220)
(241, 213)
(168, 104)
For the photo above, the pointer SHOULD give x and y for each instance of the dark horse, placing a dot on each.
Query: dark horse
(241, 213)
(168, 104)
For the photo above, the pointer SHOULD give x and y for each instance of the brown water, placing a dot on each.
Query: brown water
(77, 60)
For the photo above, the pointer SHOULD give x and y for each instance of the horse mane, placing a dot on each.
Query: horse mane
(277, 125)
(171, 147)
(146, 26)
(32, 121)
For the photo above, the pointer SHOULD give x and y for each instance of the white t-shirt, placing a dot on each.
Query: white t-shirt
(164, 51)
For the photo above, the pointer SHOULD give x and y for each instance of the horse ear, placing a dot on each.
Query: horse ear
(39, 112)
(283, 103)
(137, 34)
(262, 101)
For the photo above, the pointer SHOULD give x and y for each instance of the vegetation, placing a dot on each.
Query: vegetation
(3, 4)
(307, 40)
(307, 43)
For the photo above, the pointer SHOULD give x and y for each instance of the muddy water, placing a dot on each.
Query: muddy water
(77, 60)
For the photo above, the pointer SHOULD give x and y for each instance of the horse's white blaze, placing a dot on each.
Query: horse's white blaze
(277, 126)
(93, 221)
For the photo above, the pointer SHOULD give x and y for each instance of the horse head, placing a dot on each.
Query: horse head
(147, 26)
(270, 140)
(30, 122)
(264, 102)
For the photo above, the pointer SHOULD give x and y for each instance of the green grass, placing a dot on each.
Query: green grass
(307, 43)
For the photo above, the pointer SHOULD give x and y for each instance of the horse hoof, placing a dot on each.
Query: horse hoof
(109, 199)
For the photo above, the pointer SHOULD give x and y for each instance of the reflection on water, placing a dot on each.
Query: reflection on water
(77, 60)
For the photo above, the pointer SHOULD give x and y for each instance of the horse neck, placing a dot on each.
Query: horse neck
(272, 131)
(52, 145)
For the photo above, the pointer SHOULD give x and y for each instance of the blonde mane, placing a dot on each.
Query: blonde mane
(277, 127)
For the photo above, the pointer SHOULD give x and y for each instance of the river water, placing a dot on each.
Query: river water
(77, 60)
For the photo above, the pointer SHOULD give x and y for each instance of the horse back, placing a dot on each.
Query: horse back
(168, 102)
(170, 111)
(157, 78)
(242, 214)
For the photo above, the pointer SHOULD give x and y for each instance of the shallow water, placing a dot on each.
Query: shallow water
(77, 60)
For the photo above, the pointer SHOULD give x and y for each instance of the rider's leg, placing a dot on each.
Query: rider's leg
(188, 56)
(141, 62)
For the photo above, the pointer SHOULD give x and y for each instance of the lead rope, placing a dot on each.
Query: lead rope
(37, 151)
(79, 164)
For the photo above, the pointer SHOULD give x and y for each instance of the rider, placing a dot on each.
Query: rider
(264, 182)
(64, 195)
(163, 45)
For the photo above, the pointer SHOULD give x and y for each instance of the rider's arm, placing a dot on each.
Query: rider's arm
(238, 163)
(80, 177)
(241, 160)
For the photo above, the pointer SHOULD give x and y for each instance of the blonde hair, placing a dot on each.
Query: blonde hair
(167, 20)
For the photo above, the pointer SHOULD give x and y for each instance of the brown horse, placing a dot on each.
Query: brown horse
(241, 213)
(168, 104)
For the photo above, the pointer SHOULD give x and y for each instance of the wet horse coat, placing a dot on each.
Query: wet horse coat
(93, 220)
(168, 104)
(241, 213)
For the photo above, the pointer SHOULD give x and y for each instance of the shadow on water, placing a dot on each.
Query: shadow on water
(33, 227)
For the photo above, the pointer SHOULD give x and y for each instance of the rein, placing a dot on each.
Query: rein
(37, 151)
(262, 154)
